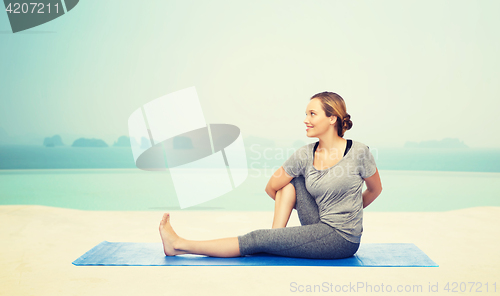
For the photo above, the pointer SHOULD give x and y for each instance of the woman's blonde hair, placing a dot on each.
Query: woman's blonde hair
(334, 105)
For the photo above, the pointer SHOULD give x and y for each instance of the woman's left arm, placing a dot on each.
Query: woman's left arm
(373, 189)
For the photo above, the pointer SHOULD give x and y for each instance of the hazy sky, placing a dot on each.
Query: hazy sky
(408, 70)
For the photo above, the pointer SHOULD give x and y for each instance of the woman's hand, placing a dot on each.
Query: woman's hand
(278, 180)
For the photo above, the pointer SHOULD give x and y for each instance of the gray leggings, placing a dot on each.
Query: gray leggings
(314, 239)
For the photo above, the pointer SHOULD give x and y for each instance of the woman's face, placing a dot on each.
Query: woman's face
(316, 121)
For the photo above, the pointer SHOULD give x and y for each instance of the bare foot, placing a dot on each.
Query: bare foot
(169, 237)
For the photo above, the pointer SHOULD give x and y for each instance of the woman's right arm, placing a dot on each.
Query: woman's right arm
(278, 180)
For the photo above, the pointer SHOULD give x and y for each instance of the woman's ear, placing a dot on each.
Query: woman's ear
(333, 119)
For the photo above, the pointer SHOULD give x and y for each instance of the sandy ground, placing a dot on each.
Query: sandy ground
(39, 243)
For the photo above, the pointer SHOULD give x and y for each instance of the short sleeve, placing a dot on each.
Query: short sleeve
(368, 165)
(295, 164)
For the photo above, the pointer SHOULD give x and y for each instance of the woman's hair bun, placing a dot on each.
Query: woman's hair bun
(346, 122)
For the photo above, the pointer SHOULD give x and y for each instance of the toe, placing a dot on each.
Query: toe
(163, 219)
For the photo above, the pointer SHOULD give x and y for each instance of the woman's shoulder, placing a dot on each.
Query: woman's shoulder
(306, 149)
(356, 145)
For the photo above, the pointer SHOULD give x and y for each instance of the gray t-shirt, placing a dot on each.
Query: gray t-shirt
(338, 189)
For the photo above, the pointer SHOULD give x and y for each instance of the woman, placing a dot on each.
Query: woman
(323, 181)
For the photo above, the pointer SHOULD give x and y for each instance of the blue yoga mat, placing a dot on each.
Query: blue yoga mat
(151, 254)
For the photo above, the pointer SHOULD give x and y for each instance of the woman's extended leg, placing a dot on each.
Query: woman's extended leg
(283, 206)
(312, 240)
(308, 241)
(176, 245)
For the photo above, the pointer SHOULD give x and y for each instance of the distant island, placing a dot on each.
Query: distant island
(444, 143)
(82, 142)
(122, 141)
(56, 140)
(53, 141)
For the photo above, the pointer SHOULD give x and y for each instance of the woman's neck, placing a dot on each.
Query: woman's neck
(331, 144)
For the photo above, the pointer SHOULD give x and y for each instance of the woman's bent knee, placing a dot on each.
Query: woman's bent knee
(288, 189)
